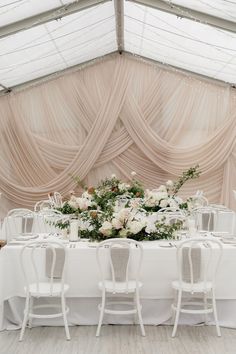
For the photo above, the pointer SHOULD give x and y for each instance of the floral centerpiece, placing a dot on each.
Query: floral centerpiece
(124, 209)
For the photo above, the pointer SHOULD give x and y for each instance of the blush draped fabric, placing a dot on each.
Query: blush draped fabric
(117, 116)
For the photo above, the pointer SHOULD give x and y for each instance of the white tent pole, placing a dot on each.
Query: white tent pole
(180, 11)
(119, 13)
(53, 14)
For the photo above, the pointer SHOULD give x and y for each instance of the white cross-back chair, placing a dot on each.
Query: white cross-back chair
(198, 200)
(198, 260)
(17, 222)
(42, 204)
(206, 218)
(55, 199)
(39, 284)
(171, 214)
(46, 220)
(112, 256)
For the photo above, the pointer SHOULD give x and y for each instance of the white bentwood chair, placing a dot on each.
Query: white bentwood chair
(114, 282)
(42, 205)
(46, 220)
(198, 200)
(39, 284)
(55, 199)
(17, 222)
(171, 215)
(206, 218)
(196, 275)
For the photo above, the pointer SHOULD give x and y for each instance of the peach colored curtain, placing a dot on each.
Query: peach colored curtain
(117, 116)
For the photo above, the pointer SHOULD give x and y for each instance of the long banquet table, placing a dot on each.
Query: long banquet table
(158, 270)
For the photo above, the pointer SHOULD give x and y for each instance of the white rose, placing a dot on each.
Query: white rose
(84, 225)
(87, 195)
(135, 226)
(116, 224)
(83, 203)
(169, 183)
(123, 214)
(162, 188)
(163, 195)
(164, 203)
(72, 202)
(106, 228)
(150, 227)
(135, 202)
(150, 202)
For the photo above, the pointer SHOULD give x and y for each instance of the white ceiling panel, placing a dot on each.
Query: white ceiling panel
(57, 45)
(219, 8)
(16, 10)
(180, 42)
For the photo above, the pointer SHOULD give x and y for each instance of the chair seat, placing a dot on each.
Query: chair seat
(120, 287)
(45, 289)
(196, 287)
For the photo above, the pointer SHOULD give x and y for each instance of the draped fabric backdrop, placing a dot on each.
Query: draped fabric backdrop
(117, 116)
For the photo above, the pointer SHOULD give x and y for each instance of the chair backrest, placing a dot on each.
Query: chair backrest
(198, 260)
(18, 221)
(55, 199)
(46, 220)
(206, 218)
(171, 215)
(42, 204)
(34, 268)
(198, 200)
(118, 266)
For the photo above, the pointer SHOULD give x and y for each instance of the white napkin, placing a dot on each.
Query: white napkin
(196, 263)
(120, 257)
(59, 264)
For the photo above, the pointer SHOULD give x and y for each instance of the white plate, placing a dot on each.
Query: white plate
(165, 244)
(26, 237)
(230, 240)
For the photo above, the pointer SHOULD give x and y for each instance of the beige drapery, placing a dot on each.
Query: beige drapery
(117, 116)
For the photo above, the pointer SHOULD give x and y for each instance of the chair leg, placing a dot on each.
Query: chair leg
(172, 310)
(178, 307)
(138, 305)
(215, 314)
(102, 309)
(205, 307)
(63, 306)
(31, 306)
(135, 314)
(26, 315)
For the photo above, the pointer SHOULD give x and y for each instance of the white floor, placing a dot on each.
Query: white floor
(120, 340)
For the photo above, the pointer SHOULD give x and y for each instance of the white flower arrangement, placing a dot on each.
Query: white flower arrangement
(117, 208)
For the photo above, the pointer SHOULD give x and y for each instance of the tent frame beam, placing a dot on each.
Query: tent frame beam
(53, 14)
(119, 14)
(184, 12)
(109, 56)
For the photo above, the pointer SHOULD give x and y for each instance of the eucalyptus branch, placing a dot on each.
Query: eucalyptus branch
(191, 173)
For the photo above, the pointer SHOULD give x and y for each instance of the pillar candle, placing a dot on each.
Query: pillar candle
(74, 228)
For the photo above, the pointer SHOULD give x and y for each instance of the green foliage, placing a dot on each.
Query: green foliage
(191, 173)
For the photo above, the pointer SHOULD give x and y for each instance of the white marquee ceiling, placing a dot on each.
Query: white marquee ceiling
(38, 38)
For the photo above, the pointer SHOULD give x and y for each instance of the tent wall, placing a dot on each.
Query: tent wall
(117, 116)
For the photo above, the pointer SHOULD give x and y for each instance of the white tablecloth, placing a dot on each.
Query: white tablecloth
(158, 271)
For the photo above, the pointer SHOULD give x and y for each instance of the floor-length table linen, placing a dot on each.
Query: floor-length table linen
(158, 270)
